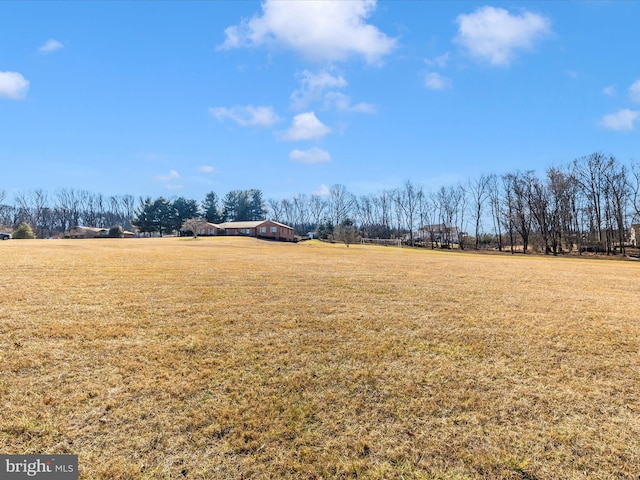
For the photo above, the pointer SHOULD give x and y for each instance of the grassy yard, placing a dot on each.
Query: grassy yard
(229, 358)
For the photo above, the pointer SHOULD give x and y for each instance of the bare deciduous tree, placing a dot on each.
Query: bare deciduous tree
(634, 185)
(479, 192)
(317, 209)
(274, 210)
(408, 200)
(519, 187)
(340, 204)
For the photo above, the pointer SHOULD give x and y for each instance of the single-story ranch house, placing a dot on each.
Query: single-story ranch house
(94, 232)
(259, 229)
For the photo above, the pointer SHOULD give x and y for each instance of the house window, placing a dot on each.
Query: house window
(274, 229)
(202, 231)
(211, 231)
(263, 229)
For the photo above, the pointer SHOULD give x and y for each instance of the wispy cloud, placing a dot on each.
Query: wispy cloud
(621, 120)
(306, 126)
(634, 91)
(609, 91)
(439, 62)
(170, 180)
(50, 45)
(206, 169)
(343, 103)
(312, 156)
(13, 85)
(170, 177)
(322, 190)
(324, 31)
(247, 116)
(313, 86)
(494, 35)
(435, 81)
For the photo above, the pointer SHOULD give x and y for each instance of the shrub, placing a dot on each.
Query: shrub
(116, 232)
(24, 231)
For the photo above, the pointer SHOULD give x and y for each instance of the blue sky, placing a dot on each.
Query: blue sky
(182, 98)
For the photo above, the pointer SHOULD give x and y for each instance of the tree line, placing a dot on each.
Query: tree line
(48, 215)
(588, 204)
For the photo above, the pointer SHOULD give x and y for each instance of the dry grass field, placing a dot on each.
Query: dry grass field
(229, 358)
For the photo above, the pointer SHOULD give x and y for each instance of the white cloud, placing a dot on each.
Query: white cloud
(13, 85)
(50, 45)
(312, 86)
(247, 116)
(621, 120)
(493, 34)
(306, 126)
(311, 156)
(319, 30)
(440, 62)
(634, 91)
(435, 81)
(610, 90)
(323, 191)
(342, 102)
(313, 89)
(206, 169)
(171, 176)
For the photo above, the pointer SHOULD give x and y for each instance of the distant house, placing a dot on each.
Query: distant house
(258, 229)
(209, 229)
(94, 232)
(634, 235)
(88, 232)
(439, 233)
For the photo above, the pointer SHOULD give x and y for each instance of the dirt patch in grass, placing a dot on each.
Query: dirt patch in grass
(236, 358)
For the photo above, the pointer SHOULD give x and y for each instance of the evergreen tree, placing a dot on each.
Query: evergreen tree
(257, 206)
(143, 219)
(211, 208)
(184, 209)
(164, 215)
(231, 206)
(158, 215)
(243, 205)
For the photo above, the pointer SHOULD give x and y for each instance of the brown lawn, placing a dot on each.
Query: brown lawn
(236, 358)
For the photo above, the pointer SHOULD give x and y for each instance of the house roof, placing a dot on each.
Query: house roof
(439, 227)
(280, 224)
(254, 224)
(90, 229)
(209, 224)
